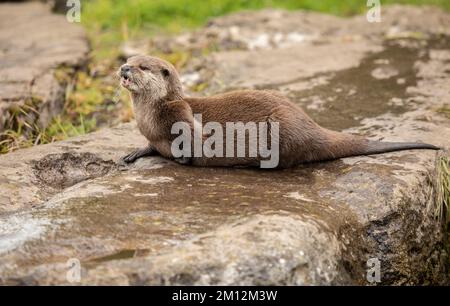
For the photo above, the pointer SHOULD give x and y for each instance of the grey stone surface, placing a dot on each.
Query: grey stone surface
(157, 222)
(34, 44)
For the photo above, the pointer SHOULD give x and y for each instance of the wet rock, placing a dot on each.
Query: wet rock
(157, 222)
(320, 34)
(39, 52)
(384, 73)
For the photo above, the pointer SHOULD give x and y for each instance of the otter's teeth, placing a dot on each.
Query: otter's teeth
(126, 81)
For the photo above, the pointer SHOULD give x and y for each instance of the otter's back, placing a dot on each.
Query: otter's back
(244, 106)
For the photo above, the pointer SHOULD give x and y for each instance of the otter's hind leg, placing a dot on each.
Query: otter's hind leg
(135, 155)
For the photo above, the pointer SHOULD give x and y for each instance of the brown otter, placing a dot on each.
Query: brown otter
(159, 102)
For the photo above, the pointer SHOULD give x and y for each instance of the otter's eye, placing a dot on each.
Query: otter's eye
(144, 68)
(165, 72)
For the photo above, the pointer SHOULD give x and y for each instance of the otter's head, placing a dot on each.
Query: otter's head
(150, 77)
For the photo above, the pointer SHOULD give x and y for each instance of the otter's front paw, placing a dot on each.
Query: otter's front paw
(135, 155)
(130, 158)
(184, 160)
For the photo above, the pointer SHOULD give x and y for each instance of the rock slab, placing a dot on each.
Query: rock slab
(69, 205)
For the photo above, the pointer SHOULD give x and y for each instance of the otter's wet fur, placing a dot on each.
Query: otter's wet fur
(158, 99)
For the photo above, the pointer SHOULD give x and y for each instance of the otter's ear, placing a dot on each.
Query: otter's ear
(165, 72)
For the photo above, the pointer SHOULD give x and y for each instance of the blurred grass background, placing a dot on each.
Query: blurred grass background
(94, 100)
(179, 14)
(110, 21)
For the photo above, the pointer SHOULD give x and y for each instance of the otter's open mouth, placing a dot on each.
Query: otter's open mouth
(125, 80)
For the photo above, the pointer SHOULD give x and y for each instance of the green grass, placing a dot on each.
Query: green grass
(443, 189)
(175, 15)
(439, 201)
(445, 110)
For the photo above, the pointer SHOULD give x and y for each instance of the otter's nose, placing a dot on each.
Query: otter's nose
(125, 68)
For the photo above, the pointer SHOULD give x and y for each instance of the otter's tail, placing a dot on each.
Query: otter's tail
(379, 147)
(341, 145)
